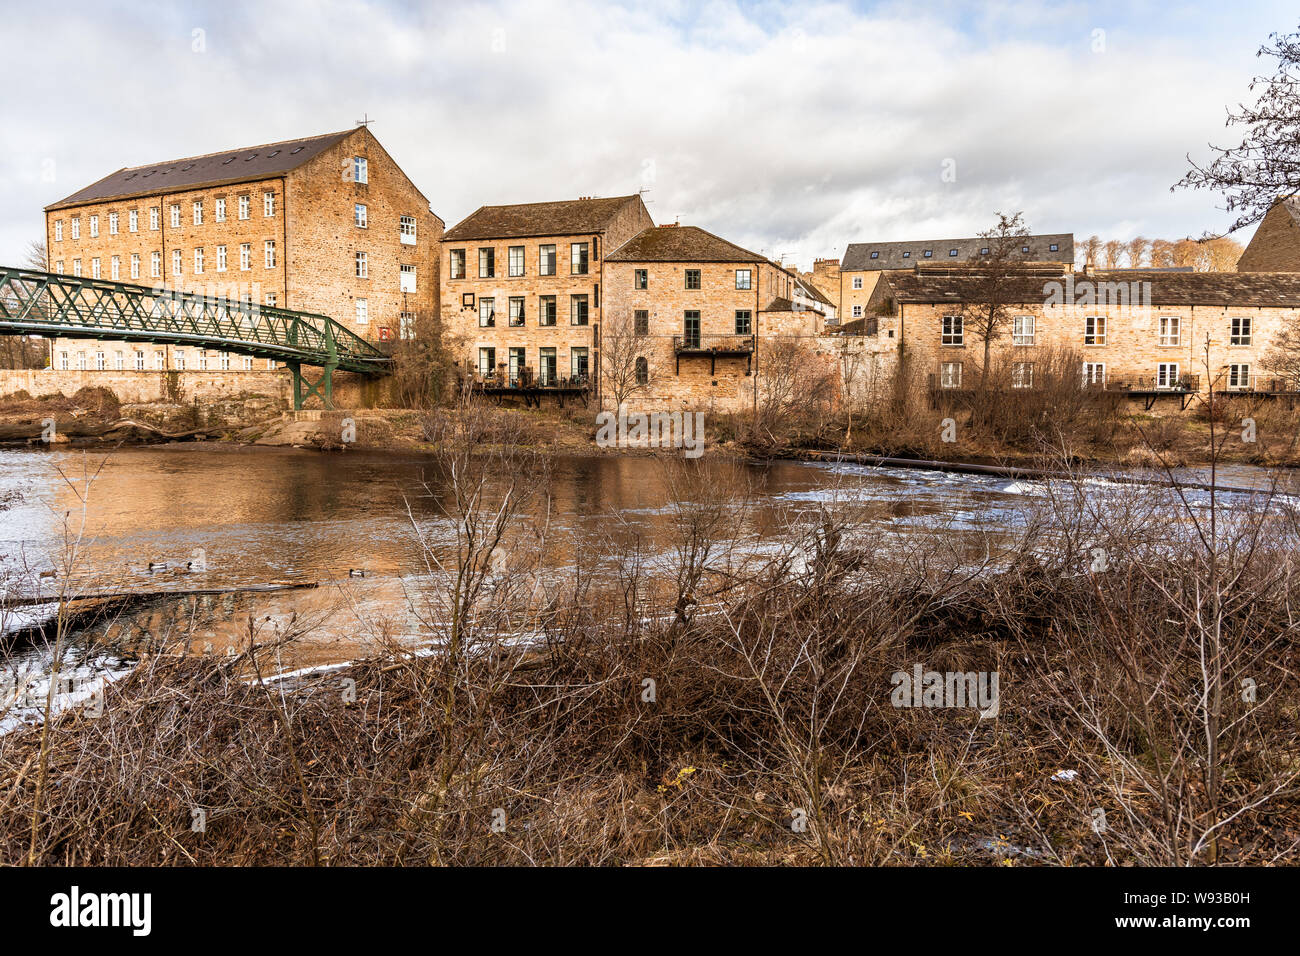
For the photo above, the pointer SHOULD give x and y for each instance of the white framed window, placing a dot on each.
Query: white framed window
(115, 268)
(950, 375)
(408, 278)
(178, 360)
(220, 211)
(362, 266)
(406, 230)
(63, 361)
(406, 325)
(133, 220)
(76, 267)
(1239, 377)
(176, 262)
(245, 256)
(100, 364)
(245, 202)
(81, 361)
(223, 361)
(203, 360)
(248, 363)
(1240, 331)
(94, 268)
(857, 282)
(1094, 330)
(268, 250)
(94, 226)
(198, 213)
(119, 360)
(363, 312)
(360, 170)
(76, 227)
(198, 261)
(58, 266)
(359, 216)
(58, 230)
(1170, 330)
(139, 360)
(270, 365)
(176, 216)
(112, 224)
(1022, 330)
(1022, 374)
(159, 360)
(953, 330)
(857, 311)
(154, 218)
(135, 265)
(155, 265)
(268, 205)
(272, 299)
(1167, 375)
(221, 258)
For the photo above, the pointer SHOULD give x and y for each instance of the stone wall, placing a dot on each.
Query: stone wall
(139, 387)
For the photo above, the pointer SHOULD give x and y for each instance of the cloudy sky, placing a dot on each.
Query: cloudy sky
(791, 128)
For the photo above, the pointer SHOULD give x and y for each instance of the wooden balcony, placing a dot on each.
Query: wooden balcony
(714, 347)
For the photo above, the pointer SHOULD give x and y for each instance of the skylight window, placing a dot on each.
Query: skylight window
(952, 252)
(296, 149)
(907, 255)
(875, 255)
(1024, 249)
(1053, 247)
(928, 253)
(227, 162)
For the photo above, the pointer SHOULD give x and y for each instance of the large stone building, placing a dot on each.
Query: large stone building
(1275, 247)
(692, 318)
(865, 262)
(327, 224)
(523, 286)
(1130, 330)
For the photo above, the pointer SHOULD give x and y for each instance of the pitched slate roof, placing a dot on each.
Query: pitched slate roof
(211, 169)
(681, 244)
(858, 257)
(1279, 289)
(812, 291)
(568, 217)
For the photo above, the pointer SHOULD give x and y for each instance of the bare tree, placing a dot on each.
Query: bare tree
(1137, 251)
(1112, 250)
(988, 310)
(1266, 164)
(1162, 253)
(1090, 250)
(627, 359)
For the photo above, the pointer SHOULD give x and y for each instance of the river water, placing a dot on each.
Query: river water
(348, 522)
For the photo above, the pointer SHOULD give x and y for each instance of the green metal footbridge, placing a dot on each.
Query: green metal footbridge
(50, 305)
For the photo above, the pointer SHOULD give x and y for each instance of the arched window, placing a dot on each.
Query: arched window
(642, 370)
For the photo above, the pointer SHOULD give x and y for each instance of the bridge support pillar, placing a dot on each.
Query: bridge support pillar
(304, 388)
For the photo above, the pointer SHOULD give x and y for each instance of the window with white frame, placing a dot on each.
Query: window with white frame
(406, 230)
(135, 265)
(857, 282)
(100, 364)
(1240, 331)
(359, 216)
(406, 325)
(112, 224)
(115, 268)
(76, 267)
(1170, 329)
(1022, 330)
(178, 360)
(176, 262)
(1022, 374)
(248, 363)
(175, 216)
(94, 268)
(133, 220)
(58, 266)
(119, 360)
(81, 361)
(268, 205)
(154, 218)
(220, 214)
(1094, 330)
(857, 311)
(76, 227)
(94, 226)
(272, 299)
(363, 312)
(360, 170)
(1238, 377)
(198, 212)
(245, 256)
(1167, 375)
(155, 265)
(139, 360)
(221, 258)
(203, 360)
(223, 361)
(268, 249)
(63, 361)
(953, 332)
(950, 375)
(245, 204)
(407, 278)
(198, 261)
(362, 266)
(58, 230)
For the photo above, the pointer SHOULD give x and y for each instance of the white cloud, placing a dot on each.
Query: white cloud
(791, 128)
